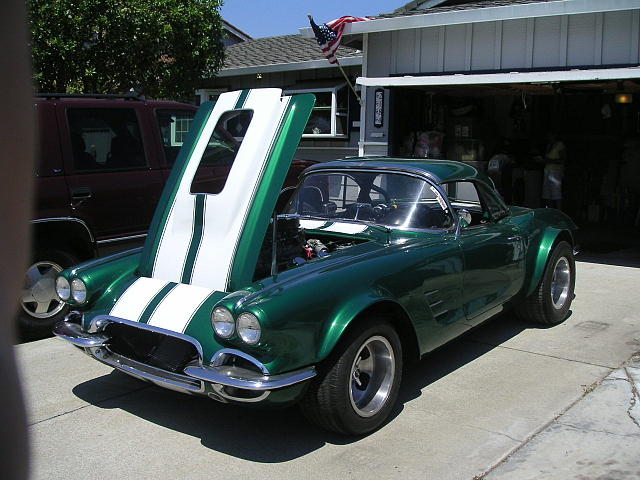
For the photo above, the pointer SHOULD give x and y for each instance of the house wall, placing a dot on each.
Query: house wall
(584, 40)
(323, 149)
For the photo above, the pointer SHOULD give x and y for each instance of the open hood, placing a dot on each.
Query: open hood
(208, 226)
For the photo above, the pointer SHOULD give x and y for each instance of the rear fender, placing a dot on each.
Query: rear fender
(540, 255)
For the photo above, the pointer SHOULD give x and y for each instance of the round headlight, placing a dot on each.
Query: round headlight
(249, 328)
(63, 289)
(222, 322)
(78, 290)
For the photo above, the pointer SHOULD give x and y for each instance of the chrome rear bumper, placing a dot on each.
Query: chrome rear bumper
(218, 379)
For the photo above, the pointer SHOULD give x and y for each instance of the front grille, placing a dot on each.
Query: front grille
(151, 348)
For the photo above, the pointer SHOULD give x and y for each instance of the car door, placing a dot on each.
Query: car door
(493, 251)
(113, 182)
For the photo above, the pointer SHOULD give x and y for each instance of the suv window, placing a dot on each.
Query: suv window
(105, 139)
(174, 126)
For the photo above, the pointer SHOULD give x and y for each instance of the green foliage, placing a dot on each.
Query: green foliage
(162, 47)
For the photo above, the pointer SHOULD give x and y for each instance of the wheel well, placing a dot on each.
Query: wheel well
(563, 236)
(69, 236)
(398, 317)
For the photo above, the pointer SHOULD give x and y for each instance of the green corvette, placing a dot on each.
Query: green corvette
(318, 295)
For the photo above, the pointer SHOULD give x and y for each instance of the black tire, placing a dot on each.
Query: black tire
(549, 304)
(340, 398)
(47, 263)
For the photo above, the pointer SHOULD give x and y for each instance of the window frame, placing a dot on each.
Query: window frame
(429, 181)
(334, 110)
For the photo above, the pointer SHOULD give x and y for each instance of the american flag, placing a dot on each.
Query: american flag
(329, 34)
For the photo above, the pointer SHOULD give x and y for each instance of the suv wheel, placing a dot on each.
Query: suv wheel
(41, 307)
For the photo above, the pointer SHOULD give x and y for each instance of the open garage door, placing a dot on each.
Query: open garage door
(506, 123)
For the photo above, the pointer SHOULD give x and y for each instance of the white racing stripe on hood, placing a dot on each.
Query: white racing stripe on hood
(348, 228)
(178, 307)
(135, 299)
(312, 224)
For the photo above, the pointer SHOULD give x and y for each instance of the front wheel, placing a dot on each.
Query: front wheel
(357, 386)
(549, 303)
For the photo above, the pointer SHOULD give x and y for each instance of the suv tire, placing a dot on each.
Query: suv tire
(40, 306)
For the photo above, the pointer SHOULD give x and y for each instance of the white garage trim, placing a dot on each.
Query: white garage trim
(497, 78)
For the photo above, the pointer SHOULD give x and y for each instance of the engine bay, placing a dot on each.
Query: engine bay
(295, 247)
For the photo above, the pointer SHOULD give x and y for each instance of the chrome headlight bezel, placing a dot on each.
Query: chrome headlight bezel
(78, 290)
(63, 288)
(223, 322)
(248, 328)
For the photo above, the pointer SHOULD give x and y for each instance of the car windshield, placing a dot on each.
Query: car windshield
(388, 199)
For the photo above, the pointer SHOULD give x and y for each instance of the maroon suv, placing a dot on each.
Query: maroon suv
(103, 161)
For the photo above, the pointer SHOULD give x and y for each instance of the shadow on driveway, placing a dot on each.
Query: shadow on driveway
(273, 436)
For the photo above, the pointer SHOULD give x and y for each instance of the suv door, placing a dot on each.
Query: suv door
(113, 178)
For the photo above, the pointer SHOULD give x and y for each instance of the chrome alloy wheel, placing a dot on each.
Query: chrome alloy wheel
(560, 283)
(39, 298)
(372, 376)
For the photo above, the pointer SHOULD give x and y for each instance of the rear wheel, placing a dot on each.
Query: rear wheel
(549, 304)
(357, 386)
(40, 306)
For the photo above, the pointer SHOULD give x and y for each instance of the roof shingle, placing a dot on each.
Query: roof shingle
(462, 6)
(281, 49)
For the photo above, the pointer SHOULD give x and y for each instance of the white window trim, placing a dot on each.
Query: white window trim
(334, 110)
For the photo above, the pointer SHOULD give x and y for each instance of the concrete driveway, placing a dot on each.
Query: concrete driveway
(463, 410)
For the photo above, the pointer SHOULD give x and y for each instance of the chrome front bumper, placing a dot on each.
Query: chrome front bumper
(217, 379)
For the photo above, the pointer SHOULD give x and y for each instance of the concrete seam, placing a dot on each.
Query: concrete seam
(494, 432)
(575, 427)
(588, 390)
(634, 398)
(541, 354)
(96, 404)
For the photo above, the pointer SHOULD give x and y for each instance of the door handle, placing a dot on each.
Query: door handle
(79, 195)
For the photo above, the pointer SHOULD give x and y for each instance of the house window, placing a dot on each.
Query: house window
(174, 126)
(329, 117)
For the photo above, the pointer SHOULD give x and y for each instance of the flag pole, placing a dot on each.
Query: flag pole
(344, 74)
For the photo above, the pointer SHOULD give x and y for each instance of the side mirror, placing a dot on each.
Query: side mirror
(465, 217)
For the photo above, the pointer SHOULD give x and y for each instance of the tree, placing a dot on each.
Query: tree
(162, 47)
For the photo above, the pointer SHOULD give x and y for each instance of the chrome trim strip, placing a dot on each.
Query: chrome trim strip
(121, 239)
(435, 304)
(73, 333)
(220, 356)
(195, 376)
(247, 379)
(66, 219)
(439, 314)
(219, 390)
(99, 323)
(147, 372)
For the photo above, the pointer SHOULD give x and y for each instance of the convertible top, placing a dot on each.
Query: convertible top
(440, 171)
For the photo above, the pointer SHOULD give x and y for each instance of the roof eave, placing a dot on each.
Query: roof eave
(287, 67)
(486, 14)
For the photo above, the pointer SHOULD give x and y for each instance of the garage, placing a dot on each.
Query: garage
(499, 80)
(508, 128)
